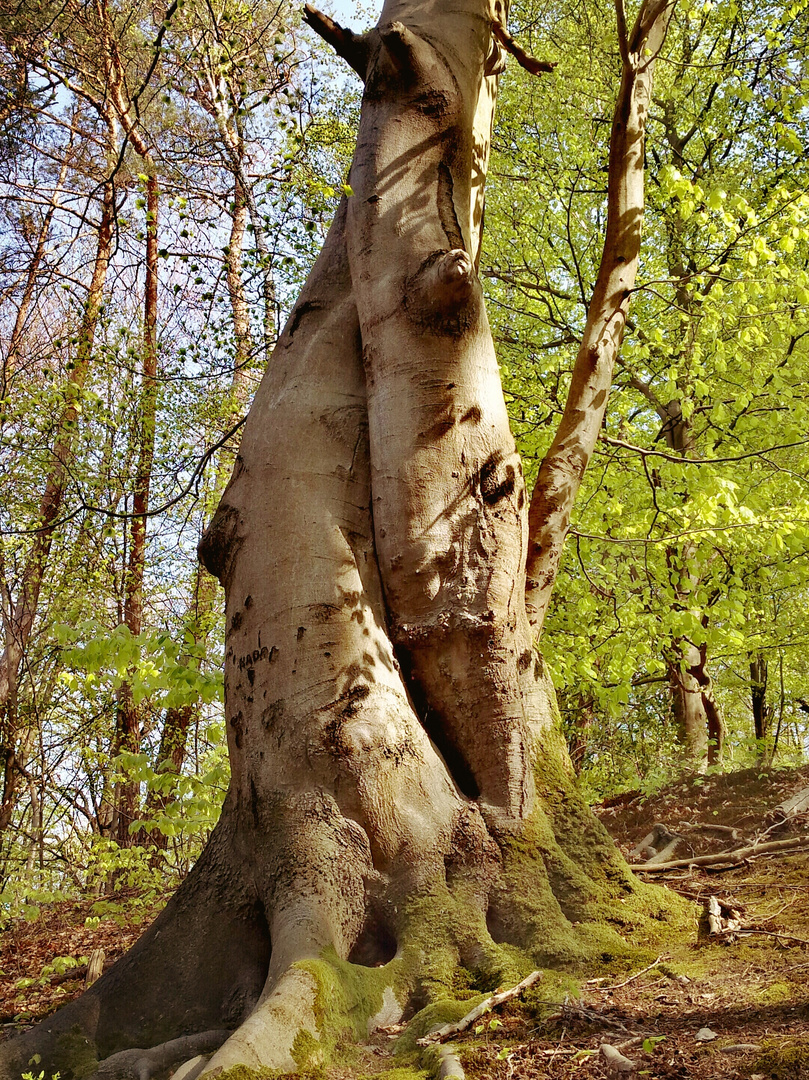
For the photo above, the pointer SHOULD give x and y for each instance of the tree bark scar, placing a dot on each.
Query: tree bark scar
(446, 208)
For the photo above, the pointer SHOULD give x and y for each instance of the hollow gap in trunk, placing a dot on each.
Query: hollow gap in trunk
(453, 758)
(494, 924)
(375, 946)
(433, 724)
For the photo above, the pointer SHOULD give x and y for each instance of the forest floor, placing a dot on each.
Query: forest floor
(749, 986)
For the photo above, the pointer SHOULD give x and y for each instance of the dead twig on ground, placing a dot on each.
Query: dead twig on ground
(637, 975)
(732, 856)
(448, 1030)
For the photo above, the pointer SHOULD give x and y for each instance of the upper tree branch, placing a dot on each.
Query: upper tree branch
(511, 45)
(352, 47)
(561, 472)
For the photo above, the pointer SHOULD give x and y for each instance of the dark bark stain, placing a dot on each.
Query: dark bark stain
(524, 661)
(254, 802)
(272, 714)
(494, 487)
(439, 428)
(297, 315)
(237, 723)
(301, 632)
(474, 415)
(322, 613)
(348, 704)
(432, 103)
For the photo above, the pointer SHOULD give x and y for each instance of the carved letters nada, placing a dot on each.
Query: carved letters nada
(250, 659)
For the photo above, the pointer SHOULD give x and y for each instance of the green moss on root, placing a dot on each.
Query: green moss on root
(75, 1055)
(779, 1062)
(347, 996)
(242, 1072)
(406, 1072)
(566, 895)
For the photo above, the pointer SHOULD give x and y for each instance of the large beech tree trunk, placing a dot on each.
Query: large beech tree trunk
(401, 802)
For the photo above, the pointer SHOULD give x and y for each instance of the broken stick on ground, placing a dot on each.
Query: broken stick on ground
(448, 1030)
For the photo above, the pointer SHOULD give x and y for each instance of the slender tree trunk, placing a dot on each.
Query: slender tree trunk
(128, 718)
(581, 717)
(762, 711)
(562, 469)
(21, 615)
(697, 716)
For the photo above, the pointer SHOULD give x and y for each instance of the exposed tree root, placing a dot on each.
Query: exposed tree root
(199, 967)
(138, 1064)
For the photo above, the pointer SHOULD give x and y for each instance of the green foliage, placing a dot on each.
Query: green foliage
(691, 530)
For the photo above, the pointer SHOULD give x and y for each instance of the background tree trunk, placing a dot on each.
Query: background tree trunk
(128, 722)
(19, 615)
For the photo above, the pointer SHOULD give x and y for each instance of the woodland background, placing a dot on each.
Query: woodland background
(168, 175)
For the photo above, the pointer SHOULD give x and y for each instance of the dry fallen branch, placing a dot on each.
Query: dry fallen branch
(789, 808)
(637, 975)
(731, 856)
(571, 1010)
(706, 826)
(779, 937)
(722, 918)
(615, 1060)
(448, 1030)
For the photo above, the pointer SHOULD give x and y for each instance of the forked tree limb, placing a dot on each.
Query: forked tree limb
(561, 472)
(353, 48)
(448, 1030)
(524, 59)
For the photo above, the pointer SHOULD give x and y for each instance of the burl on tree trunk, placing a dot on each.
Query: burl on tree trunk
(400, 805)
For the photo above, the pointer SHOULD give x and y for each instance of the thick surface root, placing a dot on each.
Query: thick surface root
(139, 1064)
(279, 1031)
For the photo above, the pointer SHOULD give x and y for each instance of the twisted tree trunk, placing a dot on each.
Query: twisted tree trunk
(401, 802)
